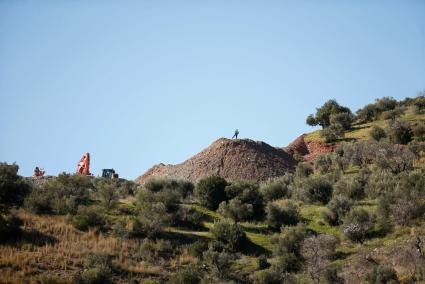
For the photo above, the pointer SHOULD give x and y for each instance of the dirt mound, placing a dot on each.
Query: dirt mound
(309, 150)
(230, 159)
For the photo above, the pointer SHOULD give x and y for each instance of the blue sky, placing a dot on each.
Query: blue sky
(136, 83)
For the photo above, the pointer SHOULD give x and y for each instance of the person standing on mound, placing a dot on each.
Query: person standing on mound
(236, 134)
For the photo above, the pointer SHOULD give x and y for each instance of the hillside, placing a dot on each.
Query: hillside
(231, 159)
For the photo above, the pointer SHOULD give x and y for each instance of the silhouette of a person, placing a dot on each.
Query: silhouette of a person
(236, 134)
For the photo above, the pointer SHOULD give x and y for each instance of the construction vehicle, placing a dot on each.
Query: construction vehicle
(83, 166)
(109, 173)
(39, 172)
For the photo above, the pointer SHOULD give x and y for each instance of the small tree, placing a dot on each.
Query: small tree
(343, 119)
(377, 133)
(210, 191)
(279, 215)
(323, 163)
(318, 251)
(108, 195)
(338, 208)
(236, 210)
(332, 133)
(324, 113)
(230, 235)
(313, 189)
(357, 225)
(400, 132)
(276, 188)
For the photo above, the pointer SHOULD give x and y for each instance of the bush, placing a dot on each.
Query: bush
(152, 219)
(303, 170)
(382, 274)
(268, 276)
(276, 188)
(219, 263)
(318, 252)
(88, 217)
(338, 207)
(350, 187)
(155, 251)
(394, 158)
(289, 241)
(342, 119)
(380, 182)
(332, 133)
(419, 131)
(323, 163)
(230, 235)
(39, 201)
(400, 132)
(12, 186)
(324, 113)
(279, 215)
(357, 225)
(314, 189)
(331, 276)
(188, 217)
(197, 248)
(249, 195)
(108, 194)
(184, 188)
(210, 191)
(190, 274)
(377, 133)
(236, 210)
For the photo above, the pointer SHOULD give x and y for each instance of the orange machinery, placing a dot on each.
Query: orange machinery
(83, 166)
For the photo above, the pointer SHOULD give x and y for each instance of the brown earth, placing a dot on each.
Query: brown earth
(309, 150)
(230, 159)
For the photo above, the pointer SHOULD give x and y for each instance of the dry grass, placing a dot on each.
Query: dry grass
(55, 248)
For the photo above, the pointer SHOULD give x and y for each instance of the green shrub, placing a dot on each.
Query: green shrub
(108, 194)
(219, 263)
(323, 163)
(39, 201)
(400, 132)
(189, 274)
(342, 119)
(377, 133)
(314, 189)
(184, 188)
(324, 114)
(229, 234)
(155, 251)
(279, 215)
(197, 248)
(268, 276)
(289, 241)
(382, 274)
(332, 133)
(152, 219)
(276, 188)
(13, 188)
(357, 225)
(350, 187)
(338, 207)
(187, 217)
(236, 210)
(380, 182)
(210, 191)
(331, 276)
(419, 131)
(88, 217)
(249, 196)
(303, 170)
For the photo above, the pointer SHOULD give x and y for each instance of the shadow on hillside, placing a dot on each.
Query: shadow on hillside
(262, 230)
(182, 239)
(32, 237)
(253, 249)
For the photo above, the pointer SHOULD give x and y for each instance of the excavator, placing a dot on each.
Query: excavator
(83, 166)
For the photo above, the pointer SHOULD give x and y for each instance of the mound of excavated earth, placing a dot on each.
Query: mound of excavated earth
(230, 159)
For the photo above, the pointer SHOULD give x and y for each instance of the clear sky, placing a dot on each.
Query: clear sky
(137, 83)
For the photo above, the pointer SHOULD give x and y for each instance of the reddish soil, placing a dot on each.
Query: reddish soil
(309, 150)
